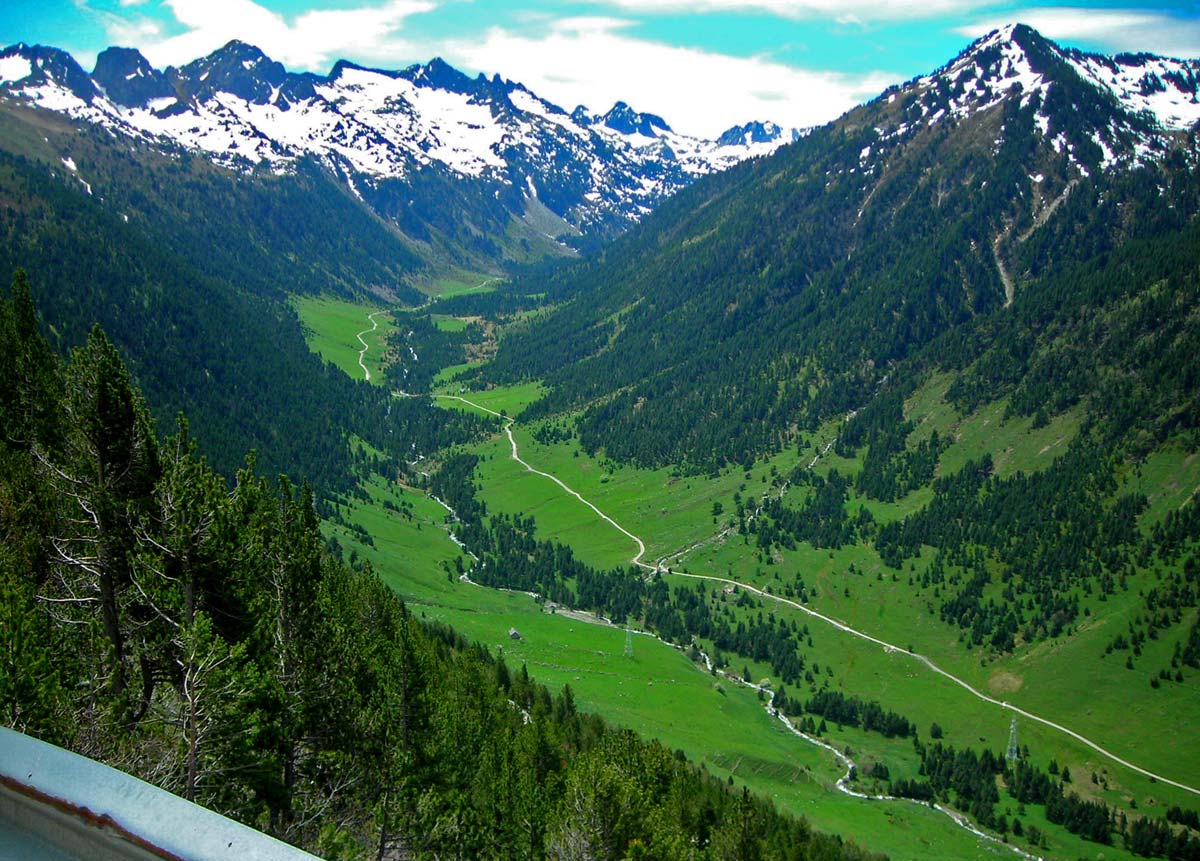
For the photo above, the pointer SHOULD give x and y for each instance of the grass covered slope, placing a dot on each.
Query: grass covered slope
(201, 638)
(659, 692)
(842, 585)
(931, 373)
(351, 335)
(184, 265)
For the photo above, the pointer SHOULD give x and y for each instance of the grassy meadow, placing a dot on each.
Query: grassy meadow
(658, 692)
(459, 283)
(331, 328)
(681, 519)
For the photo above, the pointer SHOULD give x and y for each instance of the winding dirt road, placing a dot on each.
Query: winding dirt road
(889, 648)
(636, 560)
(363, 352)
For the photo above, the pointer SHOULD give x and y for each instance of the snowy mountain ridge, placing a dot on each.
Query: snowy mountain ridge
(243, 110)
(404, 141)
(1127, 106)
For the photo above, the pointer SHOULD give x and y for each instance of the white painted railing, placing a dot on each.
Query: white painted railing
(58, 806)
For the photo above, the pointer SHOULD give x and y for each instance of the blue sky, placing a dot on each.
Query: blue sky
(702, 64)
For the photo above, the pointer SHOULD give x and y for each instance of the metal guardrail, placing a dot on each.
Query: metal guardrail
(59, 806)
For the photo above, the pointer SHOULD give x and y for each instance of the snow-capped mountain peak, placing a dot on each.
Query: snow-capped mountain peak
(237, 68)
(1101, 112)
(242, 109)
(757, 133)
(41, 66)
(1164, 89)
(627, 121)
(128, 79)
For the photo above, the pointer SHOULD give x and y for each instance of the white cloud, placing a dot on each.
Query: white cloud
(1107, 29)
(119, 30)
(591, 60)
(311, 40)
(855, 11)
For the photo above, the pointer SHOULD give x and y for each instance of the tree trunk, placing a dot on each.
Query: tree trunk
(111, 618)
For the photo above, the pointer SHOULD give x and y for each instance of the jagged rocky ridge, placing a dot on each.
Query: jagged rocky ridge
(383, 132)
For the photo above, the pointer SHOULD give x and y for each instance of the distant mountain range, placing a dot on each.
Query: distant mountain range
(394, 136)
(761, 299)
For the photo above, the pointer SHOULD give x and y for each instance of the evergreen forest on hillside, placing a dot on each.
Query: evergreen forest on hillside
(208, 331)
(845, 506)
(199, 635)
(702, 339)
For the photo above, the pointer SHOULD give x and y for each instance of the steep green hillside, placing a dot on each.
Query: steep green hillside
(781, 293)
(188, 268)
(906, 420)
(270, 235)
(197, 635)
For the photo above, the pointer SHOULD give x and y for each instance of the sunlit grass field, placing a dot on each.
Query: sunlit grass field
(662, 694)
(658, 692)
(331, 326)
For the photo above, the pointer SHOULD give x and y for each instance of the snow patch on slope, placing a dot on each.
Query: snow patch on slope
(1155, 85)
(15, 68)
(1136, 101)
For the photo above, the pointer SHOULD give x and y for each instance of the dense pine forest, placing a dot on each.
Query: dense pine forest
(900, 421)
(184, 266)
(198, 634)
(708, 338)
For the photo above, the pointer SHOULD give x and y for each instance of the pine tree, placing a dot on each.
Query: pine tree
(33, 698)
(107, 479)
(30, 390)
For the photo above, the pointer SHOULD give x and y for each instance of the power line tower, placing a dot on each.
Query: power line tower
(1013, 753)
(628, 642)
